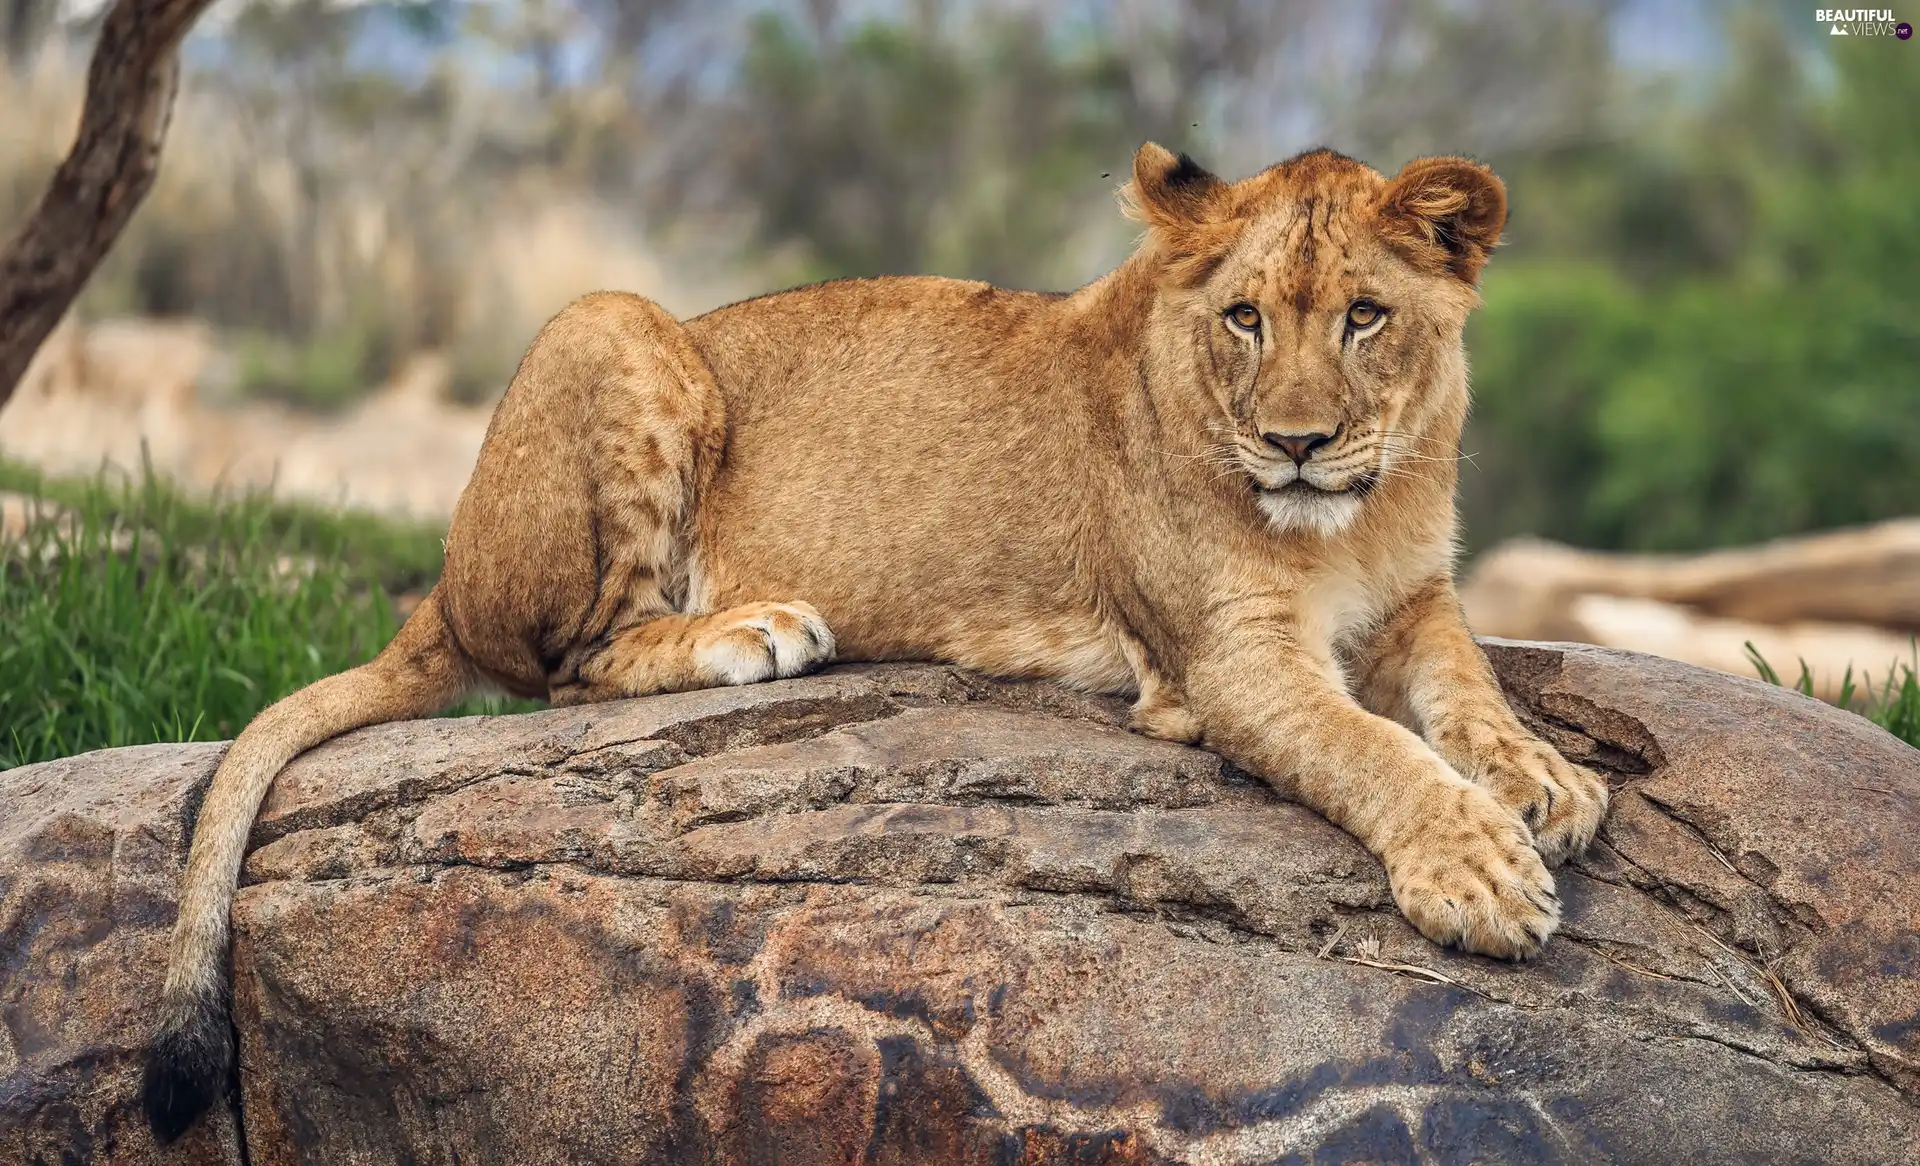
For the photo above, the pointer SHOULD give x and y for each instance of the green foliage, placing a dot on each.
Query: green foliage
(327, 373)
(134, 615)
(1735, 352)
(1894, 706)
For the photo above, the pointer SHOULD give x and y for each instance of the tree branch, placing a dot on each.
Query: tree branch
(130, 88)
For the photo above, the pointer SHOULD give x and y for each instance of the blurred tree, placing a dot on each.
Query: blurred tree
(899, 148)
(984, 143)
(131, 81)
(343, 258)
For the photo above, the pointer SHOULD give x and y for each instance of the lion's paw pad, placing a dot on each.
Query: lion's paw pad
(762, 641)
(1562, 803)
(1472, 879)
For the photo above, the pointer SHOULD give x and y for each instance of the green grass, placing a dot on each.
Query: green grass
(145, 615)
(1894, 705)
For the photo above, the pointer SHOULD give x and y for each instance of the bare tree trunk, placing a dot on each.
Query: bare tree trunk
(130, 87)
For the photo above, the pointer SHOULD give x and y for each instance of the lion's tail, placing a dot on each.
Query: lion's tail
(419, 673)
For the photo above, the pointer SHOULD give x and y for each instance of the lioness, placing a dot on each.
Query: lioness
(1220, 478)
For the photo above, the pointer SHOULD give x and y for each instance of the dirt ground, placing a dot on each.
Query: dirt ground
(98, 394)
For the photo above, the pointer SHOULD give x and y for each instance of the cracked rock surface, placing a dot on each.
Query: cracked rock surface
(900, 913)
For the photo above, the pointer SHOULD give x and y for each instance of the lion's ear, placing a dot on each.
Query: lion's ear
(1173, 191)
(1446, 213)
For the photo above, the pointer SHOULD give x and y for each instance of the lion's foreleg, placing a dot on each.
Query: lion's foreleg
(1424, 667)
(1462, 866)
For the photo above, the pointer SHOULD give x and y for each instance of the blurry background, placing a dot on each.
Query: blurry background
(1704, 330)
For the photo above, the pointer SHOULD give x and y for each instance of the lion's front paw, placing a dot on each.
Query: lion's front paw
(762, 641)
(1468, 875)
(1562, 803)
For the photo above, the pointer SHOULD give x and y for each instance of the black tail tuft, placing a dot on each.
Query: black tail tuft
(188, 1068)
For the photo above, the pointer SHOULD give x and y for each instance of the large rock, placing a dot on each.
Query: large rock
(902, 914)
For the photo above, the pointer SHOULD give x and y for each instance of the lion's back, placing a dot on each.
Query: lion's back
(895, 452)
(906, 333)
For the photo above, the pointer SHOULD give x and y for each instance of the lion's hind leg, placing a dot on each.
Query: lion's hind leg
(655, 429)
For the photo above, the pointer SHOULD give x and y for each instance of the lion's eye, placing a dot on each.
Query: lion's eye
(1245, 315)
(1363, 314)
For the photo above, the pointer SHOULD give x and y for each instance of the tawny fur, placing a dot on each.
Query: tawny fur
(1089, 487)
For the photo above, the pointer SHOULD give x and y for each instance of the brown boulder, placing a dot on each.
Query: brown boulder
(903, 914)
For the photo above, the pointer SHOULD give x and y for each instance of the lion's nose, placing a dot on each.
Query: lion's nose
(1298, 446)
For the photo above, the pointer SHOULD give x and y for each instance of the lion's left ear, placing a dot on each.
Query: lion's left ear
(1446, 213)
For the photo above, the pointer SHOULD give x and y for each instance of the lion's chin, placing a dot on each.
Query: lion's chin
(1300, 507)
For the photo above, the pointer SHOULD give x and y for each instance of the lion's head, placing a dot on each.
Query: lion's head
(1320, 306)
